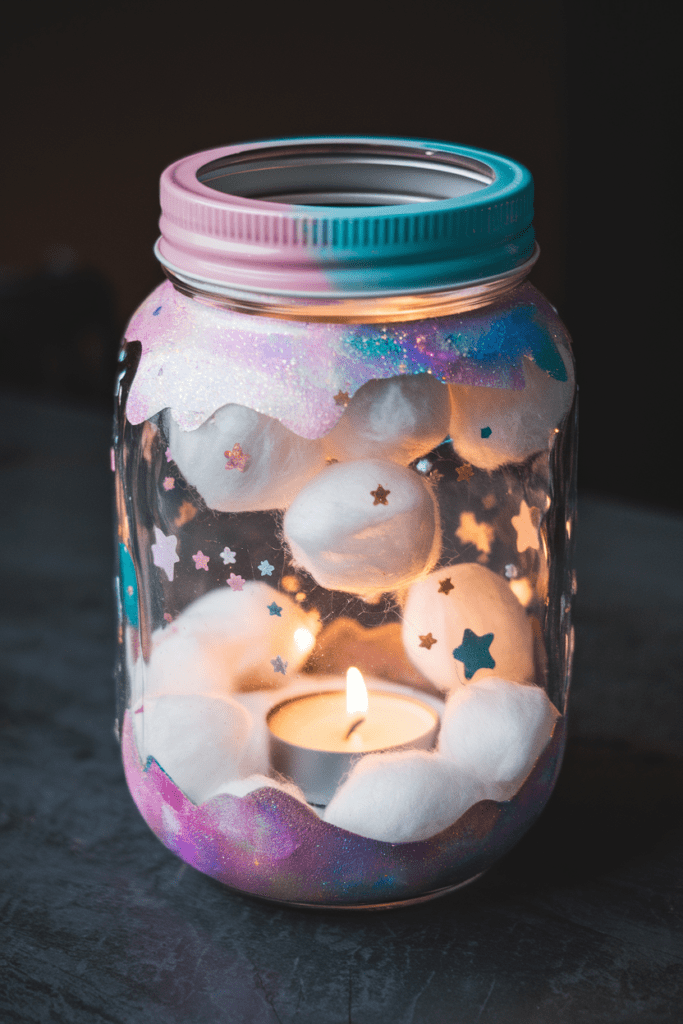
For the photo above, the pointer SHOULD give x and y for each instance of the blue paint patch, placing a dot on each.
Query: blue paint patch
(129, 585)
(157, 311)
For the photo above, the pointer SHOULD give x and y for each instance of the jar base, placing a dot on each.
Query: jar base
(393, 905)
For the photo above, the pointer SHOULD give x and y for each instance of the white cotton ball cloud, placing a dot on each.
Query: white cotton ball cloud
(228, 637)
(457, 608)
(402, 797)
(494, 730)
(364, 527)
(399, 419)
(269, 463)
(198, 741)
(493, 426)
(256, 755)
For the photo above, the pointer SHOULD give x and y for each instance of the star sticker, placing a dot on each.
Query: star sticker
(486, 431)
(279, 665)
(511, 571)
(474, 652)
(236, 458)
(265, 568)
(169, 483)
(236, 582)
(201, 561)
(427, 641)
(526, 525)
(380, 496)
(168, 617)
(471, 531)
(465, 472)
(445, 586)
(342, 398)
(169, 457)
(275, 609)
(164, 552)
(228, 556)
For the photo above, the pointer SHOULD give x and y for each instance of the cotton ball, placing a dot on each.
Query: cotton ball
(182, 664)
(364, 527)
(198, 741)
(269, 463)
(242, 787)
(494, 730)
(493, 426)
(402, 797)
(457, 609)
(235, 636)
(400, 419)
(256, 755)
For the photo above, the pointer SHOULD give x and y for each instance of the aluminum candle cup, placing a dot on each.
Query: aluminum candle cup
(345, 440)
(314, 741)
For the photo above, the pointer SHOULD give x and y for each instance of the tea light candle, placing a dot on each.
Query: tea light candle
(316, 737)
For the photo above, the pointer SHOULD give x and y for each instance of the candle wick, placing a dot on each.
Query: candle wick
(354, 727)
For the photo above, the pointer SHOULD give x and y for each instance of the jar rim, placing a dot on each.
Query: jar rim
(360, 308)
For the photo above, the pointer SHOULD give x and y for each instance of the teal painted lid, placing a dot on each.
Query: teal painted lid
(338, 216)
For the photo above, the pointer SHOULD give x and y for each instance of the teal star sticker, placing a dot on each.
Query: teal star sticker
(486, 431)
(274, 609)
(474, 652)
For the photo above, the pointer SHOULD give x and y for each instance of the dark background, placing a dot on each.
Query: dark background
(99, 100)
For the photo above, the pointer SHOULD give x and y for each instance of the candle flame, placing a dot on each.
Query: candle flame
(356, 692)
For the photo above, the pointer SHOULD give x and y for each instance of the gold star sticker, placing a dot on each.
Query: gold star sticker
(471, 531)
(380, 496)
(445, 586)
(427, 641)
(526, 525)
(464, 472)
(342, 398)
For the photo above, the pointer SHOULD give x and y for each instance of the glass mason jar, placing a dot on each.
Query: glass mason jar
(344, 452)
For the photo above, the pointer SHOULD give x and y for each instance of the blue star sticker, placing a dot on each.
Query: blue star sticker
(266, 568)
(474, 652)
(279, 665)
(274, 609)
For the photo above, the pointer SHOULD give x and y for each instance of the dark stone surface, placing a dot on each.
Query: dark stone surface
(99, 923)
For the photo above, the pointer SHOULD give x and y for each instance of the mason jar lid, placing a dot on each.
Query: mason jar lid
(339, 216)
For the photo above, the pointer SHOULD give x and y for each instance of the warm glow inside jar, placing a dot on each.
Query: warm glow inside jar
(344, 453)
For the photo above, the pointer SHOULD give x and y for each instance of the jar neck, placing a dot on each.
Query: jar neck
(358, 309)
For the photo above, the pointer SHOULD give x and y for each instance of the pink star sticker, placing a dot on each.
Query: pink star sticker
(168, 455)
(236, 582)
(169, 483)
(201, 561)
(236, 458)
(164, 552)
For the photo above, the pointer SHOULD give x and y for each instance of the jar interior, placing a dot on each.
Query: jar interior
(346, 174)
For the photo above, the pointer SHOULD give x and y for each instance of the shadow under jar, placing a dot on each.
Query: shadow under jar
(345, 479)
